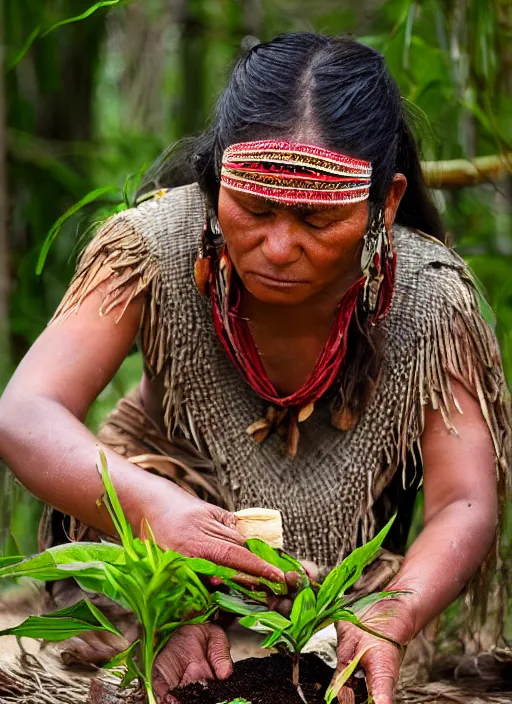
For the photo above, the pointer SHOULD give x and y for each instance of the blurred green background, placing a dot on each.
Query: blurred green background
(87, 102)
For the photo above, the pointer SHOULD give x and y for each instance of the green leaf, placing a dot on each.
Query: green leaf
(266, 619)
(24, 49)
(345, 575)
(122, 657)
(358, 605)
(209, 569)
(346, 615)
(236, 605)
(303, 611)
(83, 16)
(340, 678)
(65, 560)
(131, 187)
(115, 509)
(63, 624)
(57, 226)
(12, 560)
(278, 558)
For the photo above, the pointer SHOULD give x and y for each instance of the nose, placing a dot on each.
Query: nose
(281, 243)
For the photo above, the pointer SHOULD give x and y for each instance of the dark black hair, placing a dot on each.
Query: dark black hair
(332, 91)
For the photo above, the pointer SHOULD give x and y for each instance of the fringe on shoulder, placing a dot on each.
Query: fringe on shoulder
(457, 343)
(119, 261)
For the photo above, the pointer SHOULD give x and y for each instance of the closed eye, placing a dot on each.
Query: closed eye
(318, 224)
(258, 213)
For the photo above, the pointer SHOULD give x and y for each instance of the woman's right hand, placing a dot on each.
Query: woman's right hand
(196, 528)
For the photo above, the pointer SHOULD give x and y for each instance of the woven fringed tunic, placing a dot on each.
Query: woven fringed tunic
(342, 485)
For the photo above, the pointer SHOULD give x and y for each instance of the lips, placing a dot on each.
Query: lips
(279, 280)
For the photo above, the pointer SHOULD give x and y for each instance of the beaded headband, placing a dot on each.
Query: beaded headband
(295, 173)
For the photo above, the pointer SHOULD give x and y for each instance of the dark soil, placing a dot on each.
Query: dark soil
(265, 681)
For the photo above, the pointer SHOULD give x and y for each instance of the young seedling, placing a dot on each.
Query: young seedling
(314, 607)
(161, 587)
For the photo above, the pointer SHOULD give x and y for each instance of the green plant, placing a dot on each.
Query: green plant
(162, 588)
(314, 607)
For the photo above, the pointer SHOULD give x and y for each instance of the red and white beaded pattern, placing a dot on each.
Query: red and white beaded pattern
(295, 173)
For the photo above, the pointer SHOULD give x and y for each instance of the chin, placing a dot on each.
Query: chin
(275, 295)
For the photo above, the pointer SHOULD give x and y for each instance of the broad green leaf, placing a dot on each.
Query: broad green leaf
(278, 558)
(56, 227)
(345, 575)
(209, 569)
(63, 624)
(303, 611)
(12, 560)
(253, 594)
(277, 588)
(278, 637)
(64, 560)
(340, 678)
(267, 619)
(236, 605)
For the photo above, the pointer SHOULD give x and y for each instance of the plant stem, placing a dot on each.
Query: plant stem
(295, 677)
(295, 669)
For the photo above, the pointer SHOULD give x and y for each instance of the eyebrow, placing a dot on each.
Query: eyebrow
(302, 208)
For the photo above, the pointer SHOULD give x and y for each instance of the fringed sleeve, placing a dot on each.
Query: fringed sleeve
(119, 262)
(116, 260)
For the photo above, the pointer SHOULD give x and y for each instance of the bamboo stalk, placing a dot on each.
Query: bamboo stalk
(459, 173)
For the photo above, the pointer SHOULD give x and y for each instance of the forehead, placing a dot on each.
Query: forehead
(301, 208)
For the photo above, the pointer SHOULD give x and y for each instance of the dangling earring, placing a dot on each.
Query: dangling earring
(212, 240)
(378, 263)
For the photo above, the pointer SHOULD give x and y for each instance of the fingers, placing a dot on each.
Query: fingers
(92, 648)
(219, 654)
(346, 696)
(195, 671)
(161, 689)
(226, 548)
(382, 667)
(239, 558)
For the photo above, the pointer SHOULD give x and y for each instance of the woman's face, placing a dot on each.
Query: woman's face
(290, 255)
(293, 255)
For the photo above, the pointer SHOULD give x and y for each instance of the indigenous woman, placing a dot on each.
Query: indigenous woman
(309, 343)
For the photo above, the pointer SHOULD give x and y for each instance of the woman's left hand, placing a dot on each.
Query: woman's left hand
(381, 659)
(193, 653)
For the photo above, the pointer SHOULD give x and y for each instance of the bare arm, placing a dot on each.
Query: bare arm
(460, 512)
(42, 436)
(460, 515)
(44, 441)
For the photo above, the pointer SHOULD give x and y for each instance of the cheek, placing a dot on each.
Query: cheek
(337, 250)
(238, 233)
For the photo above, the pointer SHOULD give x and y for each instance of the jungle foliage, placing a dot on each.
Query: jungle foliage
(85, 103)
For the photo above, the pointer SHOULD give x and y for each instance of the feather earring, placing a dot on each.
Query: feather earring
(378, 264)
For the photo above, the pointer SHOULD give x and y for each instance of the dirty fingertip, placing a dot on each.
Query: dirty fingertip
(292, 579)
